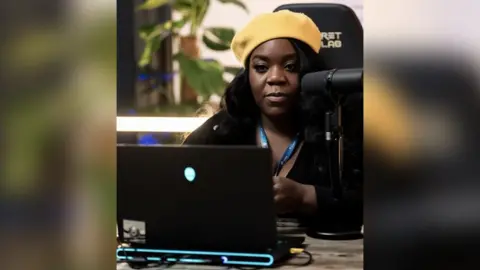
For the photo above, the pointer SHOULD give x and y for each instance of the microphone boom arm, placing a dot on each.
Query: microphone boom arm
(336, 83)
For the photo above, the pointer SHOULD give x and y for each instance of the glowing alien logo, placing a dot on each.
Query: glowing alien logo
(189, 174)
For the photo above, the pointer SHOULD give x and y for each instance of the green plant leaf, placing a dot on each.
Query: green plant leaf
(147, 32)
(184, 6)
(238, 3)
(153, 35)
(164, 29)
(201, 8)
(153, 4)
(151, 45)
(177, 25)
(218, 38)
(233, 70)
(194, 10)
(206, 77)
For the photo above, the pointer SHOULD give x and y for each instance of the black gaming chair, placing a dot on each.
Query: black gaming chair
(342, 48)
(339, 25)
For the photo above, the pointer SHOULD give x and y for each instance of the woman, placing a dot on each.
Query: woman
(263, 106)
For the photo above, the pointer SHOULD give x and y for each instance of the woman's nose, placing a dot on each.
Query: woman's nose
(276, 76)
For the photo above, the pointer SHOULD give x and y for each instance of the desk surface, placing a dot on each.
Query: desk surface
(345, 255)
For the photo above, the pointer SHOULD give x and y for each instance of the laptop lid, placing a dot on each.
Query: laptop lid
(196, 197)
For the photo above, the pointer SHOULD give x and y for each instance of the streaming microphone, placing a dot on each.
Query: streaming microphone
(335, 81)
(336, 84)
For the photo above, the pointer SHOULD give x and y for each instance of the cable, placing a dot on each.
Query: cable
(244, 268)
(147, 265)
(308, 262)
(137, 265)
(297, 252)
(350, 235)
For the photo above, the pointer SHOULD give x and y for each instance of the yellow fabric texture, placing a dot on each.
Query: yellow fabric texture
(280, 24)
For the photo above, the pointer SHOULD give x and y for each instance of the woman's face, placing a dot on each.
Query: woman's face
(273, 73)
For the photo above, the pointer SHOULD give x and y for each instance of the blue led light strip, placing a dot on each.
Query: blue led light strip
(224, 256)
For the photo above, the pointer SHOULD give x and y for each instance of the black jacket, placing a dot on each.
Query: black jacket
(332, 215)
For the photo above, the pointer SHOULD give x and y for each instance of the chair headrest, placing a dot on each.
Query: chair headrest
(342, 33)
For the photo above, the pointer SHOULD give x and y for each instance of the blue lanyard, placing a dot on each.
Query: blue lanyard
(288, 152)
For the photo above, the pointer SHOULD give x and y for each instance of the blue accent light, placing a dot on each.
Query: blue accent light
(167, 77)
(224, 256)
(147, 139)
(193, 261)
(143, 77)
(162, 77)
(158, 259)
(190, 174)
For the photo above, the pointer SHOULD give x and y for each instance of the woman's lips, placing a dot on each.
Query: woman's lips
(276, 98)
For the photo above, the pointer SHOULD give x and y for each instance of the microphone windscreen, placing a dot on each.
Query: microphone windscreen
(314, 83)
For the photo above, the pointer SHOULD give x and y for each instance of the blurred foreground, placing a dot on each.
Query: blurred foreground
(422, 102)
(58, 135)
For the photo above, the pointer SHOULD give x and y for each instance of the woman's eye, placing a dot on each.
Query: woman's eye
(260, 68)
(290, 67)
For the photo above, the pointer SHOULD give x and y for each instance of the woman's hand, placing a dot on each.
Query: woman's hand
(288, 194)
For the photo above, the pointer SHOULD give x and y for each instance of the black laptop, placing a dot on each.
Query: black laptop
(198, 204)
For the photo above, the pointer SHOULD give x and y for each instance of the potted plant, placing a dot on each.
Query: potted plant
(199, 77)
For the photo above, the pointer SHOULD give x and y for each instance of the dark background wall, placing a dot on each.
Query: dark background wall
(130, 46)
(129, 49)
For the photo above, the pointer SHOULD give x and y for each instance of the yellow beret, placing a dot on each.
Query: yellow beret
(280, 24)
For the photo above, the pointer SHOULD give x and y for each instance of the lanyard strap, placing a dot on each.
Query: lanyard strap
(286, 155)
